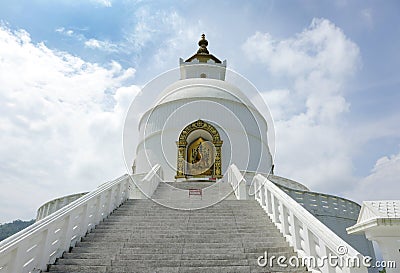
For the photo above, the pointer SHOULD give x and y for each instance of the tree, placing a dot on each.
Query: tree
(8, 229)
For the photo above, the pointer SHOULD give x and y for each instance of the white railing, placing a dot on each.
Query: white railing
(236, 179)
(149, 183)
(40, 244)
(305, 233)
(56, 204)
(325, 204)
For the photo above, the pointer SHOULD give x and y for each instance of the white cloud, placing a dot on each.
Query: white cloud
(366, 15)
(61, 123)
(382, 183)
(66, 32)
(322, 47)
(311, 143)
(180, 37)
(92, 43)
(279, 110)
(102, 45)
(154, 35)
(168, 30)
(105, 3)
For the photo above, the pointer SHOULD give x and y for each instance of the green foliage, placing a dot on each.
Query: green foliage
(8, 229)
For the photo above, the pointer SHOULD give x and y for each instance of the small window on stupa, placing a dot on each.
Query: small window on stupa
(202, 75)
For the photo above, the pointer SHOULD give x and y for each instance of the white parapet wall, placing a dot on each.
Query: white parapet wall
(145, 184)
(238, 182)
(278, 180)
(56, 204)
(308, 236)
(311, 239)
(40, 244)
(335, 212)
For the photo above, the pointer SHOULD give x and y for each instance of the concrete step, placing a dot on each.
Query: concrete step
(198, 225)
(180, 262)
(142, 236)
(185, 240)
(63, 268)
(180, 233)
(176, 269)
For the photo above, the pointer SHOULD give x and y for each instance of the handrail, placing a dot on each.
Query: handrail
(305, 233)
(236, 179)
(53, 205)
(149, 183)
(40, 244)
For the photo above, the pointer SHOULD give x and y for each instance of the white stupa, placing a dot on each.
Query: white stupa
(201, 124)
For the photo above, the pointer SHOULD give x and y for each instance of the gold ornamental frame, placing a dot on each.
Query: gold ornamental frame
(182, 147)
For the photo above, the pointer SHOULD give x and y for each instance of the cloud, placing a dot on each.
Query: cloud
(180, 38)
(367, 17)
(102, 45)
(162, 33)
(313, 66)
(274, 99)
(61, 120)
(382, 183)
(153, 36)
(92, 43)
(312, 50)
(66, 32)
(105, 3)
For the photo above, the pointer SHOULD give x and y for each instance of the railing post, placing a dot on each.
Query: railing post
(43, 250)
(230, 175)
(126, 188)
(67, 230)
(294, 231)
(284, 219)
(12, 262)
(242, 189)
(324, 253)
(119, 195)
(110, 205)
(270, 198)
(84, 223)
(309, 245)
(275, 209)
(98, 209)
(262, 196)
(255, 185)
(266, 197)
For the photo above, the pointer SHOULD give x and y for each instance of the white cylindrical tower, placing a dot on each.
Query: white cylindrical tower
(201, 124)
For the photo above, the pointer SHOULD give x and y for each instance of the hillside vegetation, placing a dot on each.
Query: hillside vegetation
(8, 229)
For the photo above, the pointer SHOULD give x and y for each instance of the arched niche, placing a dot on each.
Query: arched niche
(199, 135)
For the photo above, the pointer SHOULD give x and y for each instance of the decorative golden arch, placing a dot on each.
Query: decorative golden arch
(182, 145)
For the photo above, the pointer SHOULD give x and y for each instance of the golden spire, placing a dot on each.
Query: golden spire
(202, 54)
(203, 43)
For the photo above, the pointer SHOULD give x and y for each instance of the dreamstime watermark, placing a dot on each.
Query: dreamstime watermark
(341, 260)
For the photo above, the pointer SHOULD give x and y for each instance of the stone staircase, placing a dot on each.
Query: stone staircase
(143, 236)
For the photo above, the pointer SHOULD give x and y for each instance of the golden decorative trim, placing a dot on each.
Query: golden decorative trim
(182, 147)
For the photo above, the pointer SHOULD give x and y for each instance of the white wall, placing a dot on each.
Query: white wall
(243, 131)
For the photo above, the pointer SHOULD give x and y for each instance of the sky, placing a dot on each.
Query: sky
(69, 70)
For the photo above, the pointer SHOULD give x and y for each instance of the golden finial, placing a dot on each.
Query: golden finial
(203, 43)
